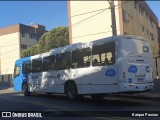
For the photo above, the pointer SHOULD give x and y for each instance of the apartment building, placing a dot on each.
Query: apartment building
(91, 20)
(13, 39)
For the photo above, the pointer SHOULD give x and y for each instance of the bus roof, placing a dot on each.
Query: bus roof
(81, 45)
(94, 42)
(22, 59)
(67, 48)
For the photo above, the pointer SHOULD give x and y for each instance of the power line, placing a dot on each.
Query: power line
(9, 52)
(8, 45)
(96, 16)
(88, 12)
(102, 10)
(90, 17)
(82, 6)
(92, 34)
(98, 9)
(9, 57)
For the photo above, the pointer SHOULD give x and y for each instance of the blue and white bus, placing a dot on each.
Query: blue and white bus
(117, 64)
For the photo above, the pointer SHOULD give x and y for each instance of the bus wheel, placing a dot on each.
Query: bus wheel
(25, 90)
(71, 91)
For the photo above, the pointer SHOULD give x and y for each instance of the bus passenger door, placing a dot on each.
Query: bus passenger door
(17, 77)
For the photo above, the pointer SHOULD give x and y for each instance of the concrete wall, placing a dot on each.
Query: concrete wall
(9, 52)
(91, 20)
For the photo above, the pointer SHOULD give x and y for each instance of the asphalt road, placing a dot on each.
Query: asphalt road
(57, 105)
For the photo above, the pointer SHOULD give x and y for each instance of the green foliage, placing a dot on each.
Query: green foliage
(57, 37)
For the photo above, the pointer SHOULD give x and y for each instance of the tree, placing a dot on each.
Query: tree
(57, 37)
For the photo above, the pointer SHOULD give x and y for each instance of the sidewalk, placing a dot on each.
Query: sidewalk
(5, 88)
(146, 95)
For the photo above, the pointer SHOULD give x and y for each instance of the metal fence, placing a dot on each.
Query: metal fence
(6, 79)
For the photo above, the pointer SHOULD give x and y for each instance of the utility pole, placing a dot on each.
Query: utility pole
(113, 17)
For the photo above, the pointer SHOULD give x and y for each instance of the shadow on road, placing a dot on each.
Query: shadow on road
(61, 98)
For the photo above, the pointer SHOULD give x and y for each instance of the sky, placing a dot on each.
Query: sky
(48, 13)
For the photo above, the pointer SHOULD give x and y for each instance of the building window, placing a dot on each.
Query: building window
(135, 4)
(38, 37)
(126, 16)
(31, 36)
(23, 34)
(152, 24)
(151, 36)
(139, 10)
(143, 28)
(147, 32)
(23, 46)
(142, 11)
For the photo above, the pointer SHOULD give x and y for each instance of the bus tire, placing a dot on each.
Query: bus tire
(71, 91)
(25, 90)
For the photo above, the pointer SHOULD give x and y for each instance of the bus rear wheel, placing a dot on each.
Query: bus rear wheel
(25, 90)
(71, 91)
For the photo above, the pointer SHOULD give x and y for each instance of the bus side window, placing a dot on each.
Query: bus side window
(26, 67)
(112, 60)
(58, 65)
(95, 60)
(66, 60)
(48, 63)
(106, 61)
(16, 71)
(37, 65)
(81, 58)
(104, 53)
